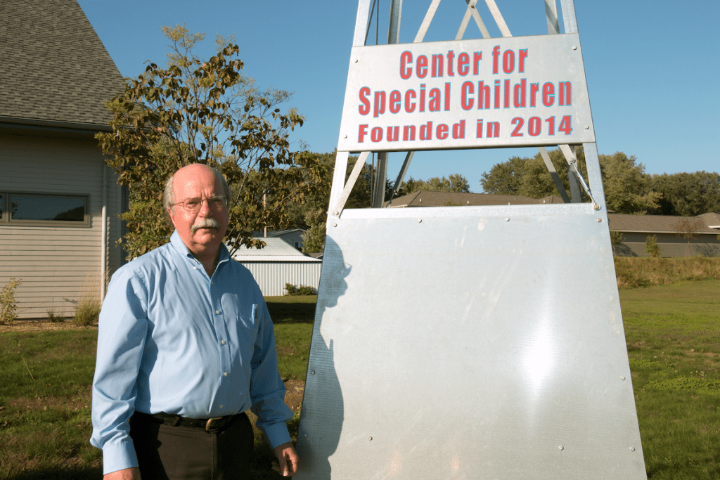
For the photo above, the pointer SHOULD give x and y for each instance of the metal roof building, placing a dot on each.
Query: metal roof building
(279, 263)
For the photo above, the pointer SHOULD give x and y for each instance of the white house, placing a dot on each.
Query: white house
(59, 203)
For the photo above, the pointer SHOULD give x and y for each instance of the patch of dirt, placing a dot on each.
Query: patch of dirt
(294, 394)
(40, 326)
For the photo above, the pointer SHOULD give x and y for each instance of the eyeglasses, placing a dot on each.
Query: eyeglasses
(193, 204)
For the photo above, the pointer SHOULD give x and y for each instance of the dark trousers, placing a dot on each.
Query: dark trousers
(173, 453)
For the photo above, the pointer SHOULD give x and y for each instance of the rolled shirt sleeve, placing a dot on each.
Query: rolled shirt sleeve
(121, 341)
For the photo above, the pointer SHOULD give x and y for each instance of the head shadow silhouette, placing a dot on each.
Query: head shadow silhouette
(322, 414)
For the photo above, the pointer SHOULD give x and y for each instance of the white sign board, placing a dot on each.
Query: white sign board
(517, 91)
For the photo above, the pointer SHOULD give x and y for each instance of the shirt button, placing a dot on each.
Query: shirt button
(217, 311)
(211, 283)
(225, 374)
(194, 268)
(223, 342)
(221, 406)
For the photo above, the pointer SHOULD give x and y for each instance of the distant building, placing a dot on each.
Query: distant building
(293, 237)
(59, 203)
(425, 198)
(279, 263)
(635, 228)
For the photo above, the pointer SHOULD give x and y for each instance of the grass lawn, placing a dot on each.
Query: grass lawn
(673, 338)
(673, 335)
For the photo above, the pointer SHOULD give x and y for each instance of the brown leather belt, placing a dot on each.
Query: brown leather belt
(216, 424)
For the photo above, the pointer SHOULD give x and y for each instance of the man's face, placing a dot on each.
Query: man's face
(201, 231)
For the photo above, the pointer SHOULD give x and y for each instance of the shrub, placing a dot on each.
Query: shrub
(8, 304)
(645, 272)
(87, 312)
(299, 289)
(616, 238)
(54, 317)
(651, 246)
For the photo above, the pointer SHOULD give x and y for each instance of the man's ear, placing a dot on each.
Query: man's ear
(170, 218)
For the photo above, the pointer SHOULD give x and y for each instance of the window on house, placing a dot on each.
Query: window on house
(44, 209)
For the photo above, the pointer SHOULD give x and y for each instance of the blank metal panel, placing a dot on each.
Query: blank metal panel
(469, 343)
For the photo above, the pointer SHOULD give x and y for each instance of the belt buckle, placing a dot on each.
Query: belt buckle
(208, 425)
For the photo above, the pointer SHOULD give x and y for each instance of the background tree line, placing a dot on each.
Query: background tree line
(628, 189)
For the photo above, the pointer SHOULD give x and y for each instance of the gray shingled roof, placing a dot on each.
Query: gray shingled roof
(54, 68)
(424, 198)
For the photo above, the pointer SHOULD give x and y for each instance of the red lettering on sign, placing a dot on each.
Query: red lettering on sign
(442, 131)
(458, 130)
(362, 133)
(467, 89)
(548, 94)
(408, 133)
(393, 134)
(426, 131)
(508, 61)
(523, 56)
(409, 105)
(395, 101)
(534, 87)
(463, 60)
(519, 121)
(421, 66)
(477, 56)
(435, 100)
(379, 106)
(364, 108)
(405, 71)
(564, 91)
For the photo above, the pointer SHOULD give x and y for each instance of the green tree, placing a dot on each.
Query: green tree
(687, 194)
(205, 111)
(455, 183)
(627, 186)
(687, 227)
(651, 246)
(314, 236)
(8, 302)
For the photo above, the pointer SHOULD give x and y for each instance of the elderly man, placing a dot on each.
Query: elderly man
(185, 346)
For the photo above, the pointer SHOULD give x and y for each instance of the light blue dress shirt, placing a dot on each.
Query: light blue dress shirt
(171, 339)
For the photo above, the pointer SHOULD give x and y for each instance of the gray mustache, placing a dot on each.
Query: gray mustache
(205, 223)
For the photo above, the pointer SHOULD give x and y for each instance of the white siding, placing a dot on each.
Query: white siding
(272, 276)
(57, 265)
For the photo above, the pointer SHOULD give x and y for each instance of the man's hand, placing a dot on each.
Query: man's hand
(287, 458)
(126, 474)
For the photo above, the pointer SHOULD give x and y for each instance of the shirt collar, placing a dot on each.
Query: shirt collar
(182, 249)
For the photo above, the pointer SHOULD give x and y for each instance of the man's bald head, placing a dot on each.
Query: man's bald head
(169, 193)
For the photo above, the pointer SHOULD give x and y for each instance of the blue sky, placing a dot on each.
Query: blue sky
(651, 66)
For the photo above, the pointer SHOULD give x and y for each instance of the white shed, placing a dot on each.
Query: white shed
(279, 263)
